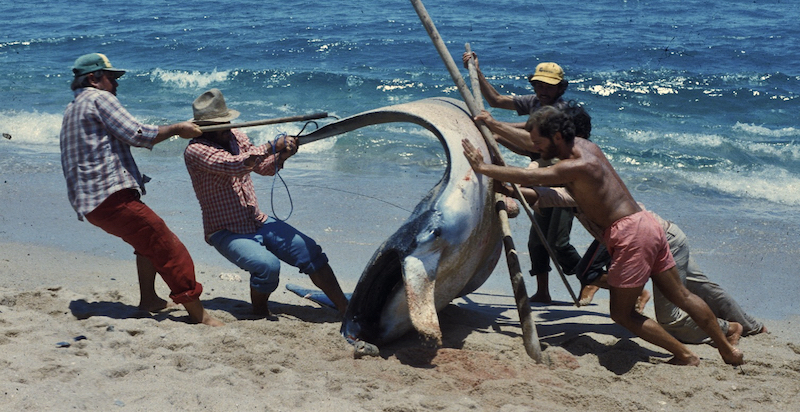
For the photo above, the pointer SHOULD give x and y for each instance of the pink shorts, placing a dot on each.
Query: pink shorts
(638, 249)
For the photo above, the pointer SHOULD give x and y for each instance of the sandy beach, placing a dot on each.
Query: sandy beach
(696, 110)
(73, 339)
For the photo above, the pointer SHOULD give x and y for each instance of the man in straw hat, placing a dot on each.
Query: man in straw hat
(555, 222)
(104, 184)
(220, 163)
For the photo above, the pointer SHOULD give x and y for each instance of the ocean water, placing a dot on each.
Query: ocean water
(694, 102)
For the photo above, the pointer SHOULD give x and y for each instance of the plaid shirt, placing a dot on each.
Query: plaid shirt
(96, 136)
(223, 185)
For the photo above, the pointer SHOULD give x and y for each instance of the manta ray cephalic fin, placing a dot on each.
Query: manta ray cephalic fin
(420, 284)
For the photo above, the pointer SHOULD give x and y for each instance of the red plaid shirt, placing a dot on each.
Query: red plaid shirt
(222, 183)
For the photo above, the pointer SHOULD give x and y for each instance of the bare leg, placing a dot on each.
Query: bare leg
(644, 297)
(669, 283)
(587, 294)
(542, 294)
(735, 330)
(199, 315)
(148, 298)
(623, 311)
(326, 281)
(260, 302)
(721, 303)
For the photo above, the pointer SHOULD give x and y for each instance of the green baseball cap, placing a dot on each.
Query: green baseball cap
(93, 62)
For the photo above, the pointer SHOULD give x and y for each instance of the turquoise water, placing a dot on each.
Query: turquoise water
(694, 102)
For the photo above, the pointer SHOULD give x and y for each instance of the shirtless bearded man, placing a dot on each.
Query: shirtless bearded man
(635, 240)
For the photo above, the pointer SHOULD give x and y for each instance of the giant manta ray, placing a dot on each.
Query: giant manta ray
(447, 248)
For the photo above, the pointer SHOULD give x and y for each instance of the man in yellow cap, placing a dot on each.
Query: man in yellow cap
(555, 222)
(548, 85)
(104, 184)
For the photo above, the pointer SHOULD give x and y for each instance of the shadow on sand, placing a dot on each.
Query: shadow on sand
(558, 324)
(239, 309)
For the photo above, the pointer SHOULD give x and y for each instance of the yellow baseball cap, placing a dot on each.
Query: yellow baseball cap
(549, 73)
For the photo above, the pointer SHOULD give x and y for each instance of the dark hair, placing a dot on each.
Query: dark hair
(82, 81)
(580, 118)
(548, 121)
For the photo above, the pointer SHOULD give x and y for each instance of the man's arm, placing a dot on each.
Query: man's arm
(531, 196)
(492, 96)
(516, 139)
(539, 196)
(186, 130)
(265, 164)
(545, 176)
(553, 197)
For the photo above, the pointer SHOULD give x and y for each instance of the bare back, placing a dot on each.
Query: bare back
(583, 170)
(595, 185)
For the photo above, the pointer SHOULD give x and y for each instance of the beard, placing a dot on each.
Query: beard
(549, 153)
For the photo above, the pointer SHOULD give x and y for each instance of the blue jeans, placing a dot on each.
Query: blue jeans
(261, 253)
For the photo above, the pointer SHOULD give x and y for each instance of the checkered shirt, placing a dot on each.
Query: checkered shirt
(223, 185)
(96, 138)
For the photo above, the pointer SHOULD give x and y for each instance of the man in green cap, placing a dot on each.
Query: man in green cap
(104, 184)
(555, 222)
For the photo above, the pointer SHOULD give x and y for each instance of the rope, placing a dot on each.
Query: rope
(275, 177)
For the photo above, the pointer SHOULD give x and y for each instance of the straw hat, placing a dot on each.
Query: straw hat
(210, 108)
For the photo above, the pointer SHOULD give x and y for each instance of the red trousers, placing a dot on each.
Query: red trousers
(125, 216)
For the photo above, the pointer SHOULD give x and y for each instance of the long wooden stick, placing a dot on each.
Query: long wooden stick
(517, 192)
(530, 336)
(473, 74)
(487, 134)
(228, 126)
(530, 341)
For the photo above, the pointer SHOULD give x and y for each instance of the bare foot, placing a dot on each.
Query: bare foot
(642, 300)
(199, 315)
(734, 332)
(735, 358)
(539, 297)
(209, 320)
(587, 294)
(763, 330)
(690, 361)
(156, 305)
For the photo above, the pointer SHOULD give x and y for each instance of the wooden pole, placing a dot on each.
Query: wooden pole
(532, 346)
(487, 134)
(228, 126)
(530, 337)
